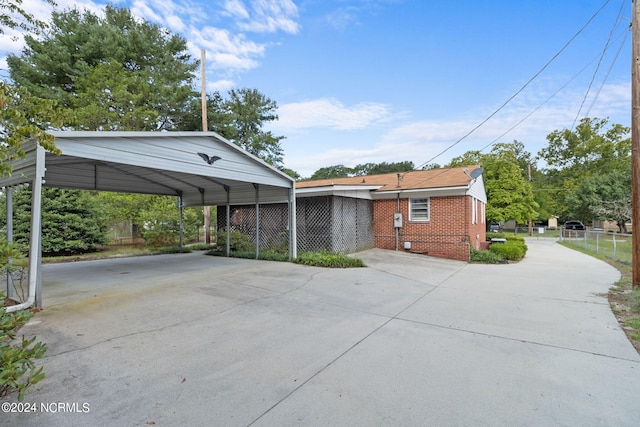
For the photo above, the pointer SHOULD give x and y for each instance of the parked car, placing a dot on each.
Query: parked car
(574, 225)
(495, 227)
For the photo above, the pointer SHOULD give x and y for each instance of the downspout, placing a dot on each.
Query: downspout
(36, 234)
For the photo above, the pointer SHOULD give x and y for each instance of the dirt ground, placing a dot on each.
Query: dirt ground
(622, 304)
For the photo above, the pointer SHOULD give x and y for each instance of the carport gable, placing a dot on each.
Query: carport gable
(168, 163)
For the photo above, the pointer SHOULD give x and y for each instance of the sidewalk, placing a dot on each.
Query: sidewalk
(195, 340)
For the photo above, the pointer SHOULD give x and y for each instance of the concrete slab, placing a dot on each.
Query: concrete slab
(407, 374)
(410, 340)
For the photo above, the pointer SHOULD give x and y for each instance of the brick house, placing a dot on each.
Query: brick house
(439, 212)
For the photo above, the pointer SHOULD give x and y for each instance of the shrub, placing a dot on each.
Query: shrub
(71, 221)
(238, 242)
(328, 259)
(485, 257)
(17, 370)
(512, 250)
(201, 247)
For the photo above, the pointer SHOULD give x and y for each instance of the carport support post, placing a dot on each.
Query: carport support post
(9, 196)
(257, 188)
(293, 243)
(180, 242)
(227, 189)
(35, 249)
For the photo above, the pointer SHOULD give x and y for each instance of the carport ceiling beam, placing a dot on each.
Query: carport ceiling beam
(167, 176)
(140, 177)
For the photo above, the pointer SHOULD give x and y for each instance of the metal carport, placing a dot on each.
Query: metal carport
(200, 168)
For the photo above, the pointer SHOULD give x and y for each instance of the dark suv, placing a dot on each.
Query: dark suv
(574, 225)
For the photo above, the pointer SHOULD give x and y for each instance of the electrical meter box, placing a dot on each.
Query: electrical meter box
(397, 220)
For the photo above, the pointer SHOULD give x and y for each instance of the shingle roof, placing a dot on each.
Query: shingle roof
(434, 178)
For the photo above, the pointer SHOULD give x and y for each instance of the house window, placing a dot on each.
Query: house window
(419, 209)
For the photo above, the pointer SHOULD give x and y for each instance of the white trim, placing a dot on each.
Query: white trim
(421, 220)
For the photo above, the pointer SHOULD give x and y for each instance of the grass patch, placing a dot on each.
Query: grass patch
(120, 252)
(634, 324)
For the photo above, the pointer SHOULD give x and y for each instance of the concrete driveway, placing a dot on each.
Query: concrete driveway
(195, 340)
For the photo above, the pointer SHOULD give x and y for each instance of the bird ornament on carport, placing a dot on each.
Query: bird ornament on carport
(209, 160)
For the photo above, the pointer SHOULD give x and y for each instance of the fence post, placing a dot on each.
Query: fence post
(614, 246)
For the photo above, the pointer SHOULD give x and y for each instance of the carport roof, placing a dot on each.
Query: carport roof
(166, 163)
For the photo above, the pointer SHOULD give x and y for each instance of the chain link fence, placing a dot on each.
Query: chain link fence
(616, 246)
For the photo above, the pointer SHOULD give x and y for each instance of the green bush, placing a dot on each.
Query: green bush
(172, 250)
(17, 370)
(512, 250)
(485, 257)
(328, 259)
(266, 255)
(201, 247)
(71, 221)
(238, 242)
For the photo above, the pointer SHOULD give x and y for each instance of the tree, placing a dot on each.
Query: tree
(110, 97)
(363, 169)
(336, 171)
(71, 221)
(22, 116)
(12, 15)
(509, 192)
(574, 156)
(381, 168)
(604, 197)
(589, 149)
(117, 67)
(249, 110)
(155, 218)
(240, 118)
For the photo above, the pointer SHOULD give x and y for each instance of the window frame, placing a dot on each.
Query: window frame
(423, 200)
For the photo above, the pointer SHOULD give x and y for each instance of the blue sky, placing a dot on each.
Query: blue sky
(360, 81)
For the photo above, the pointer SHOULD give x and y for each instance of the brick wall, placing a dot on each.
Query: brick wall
(448, 233)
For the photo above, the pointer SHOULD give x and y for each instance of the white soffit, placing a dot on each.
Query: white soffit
(165, 163)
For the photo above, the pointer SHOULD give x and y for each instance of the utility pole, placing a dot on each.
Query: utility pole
(635, 141)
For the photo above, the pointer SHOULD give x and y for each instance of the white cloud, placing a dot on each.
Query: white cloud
(235, 8)
(220, 85)
(229, 53)
(330, 113)
(269, 16)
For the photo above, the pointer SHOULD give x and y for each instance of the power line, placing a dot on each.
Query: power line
(606, 76)
(519, 91)
(595, 72)
(558, 91)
